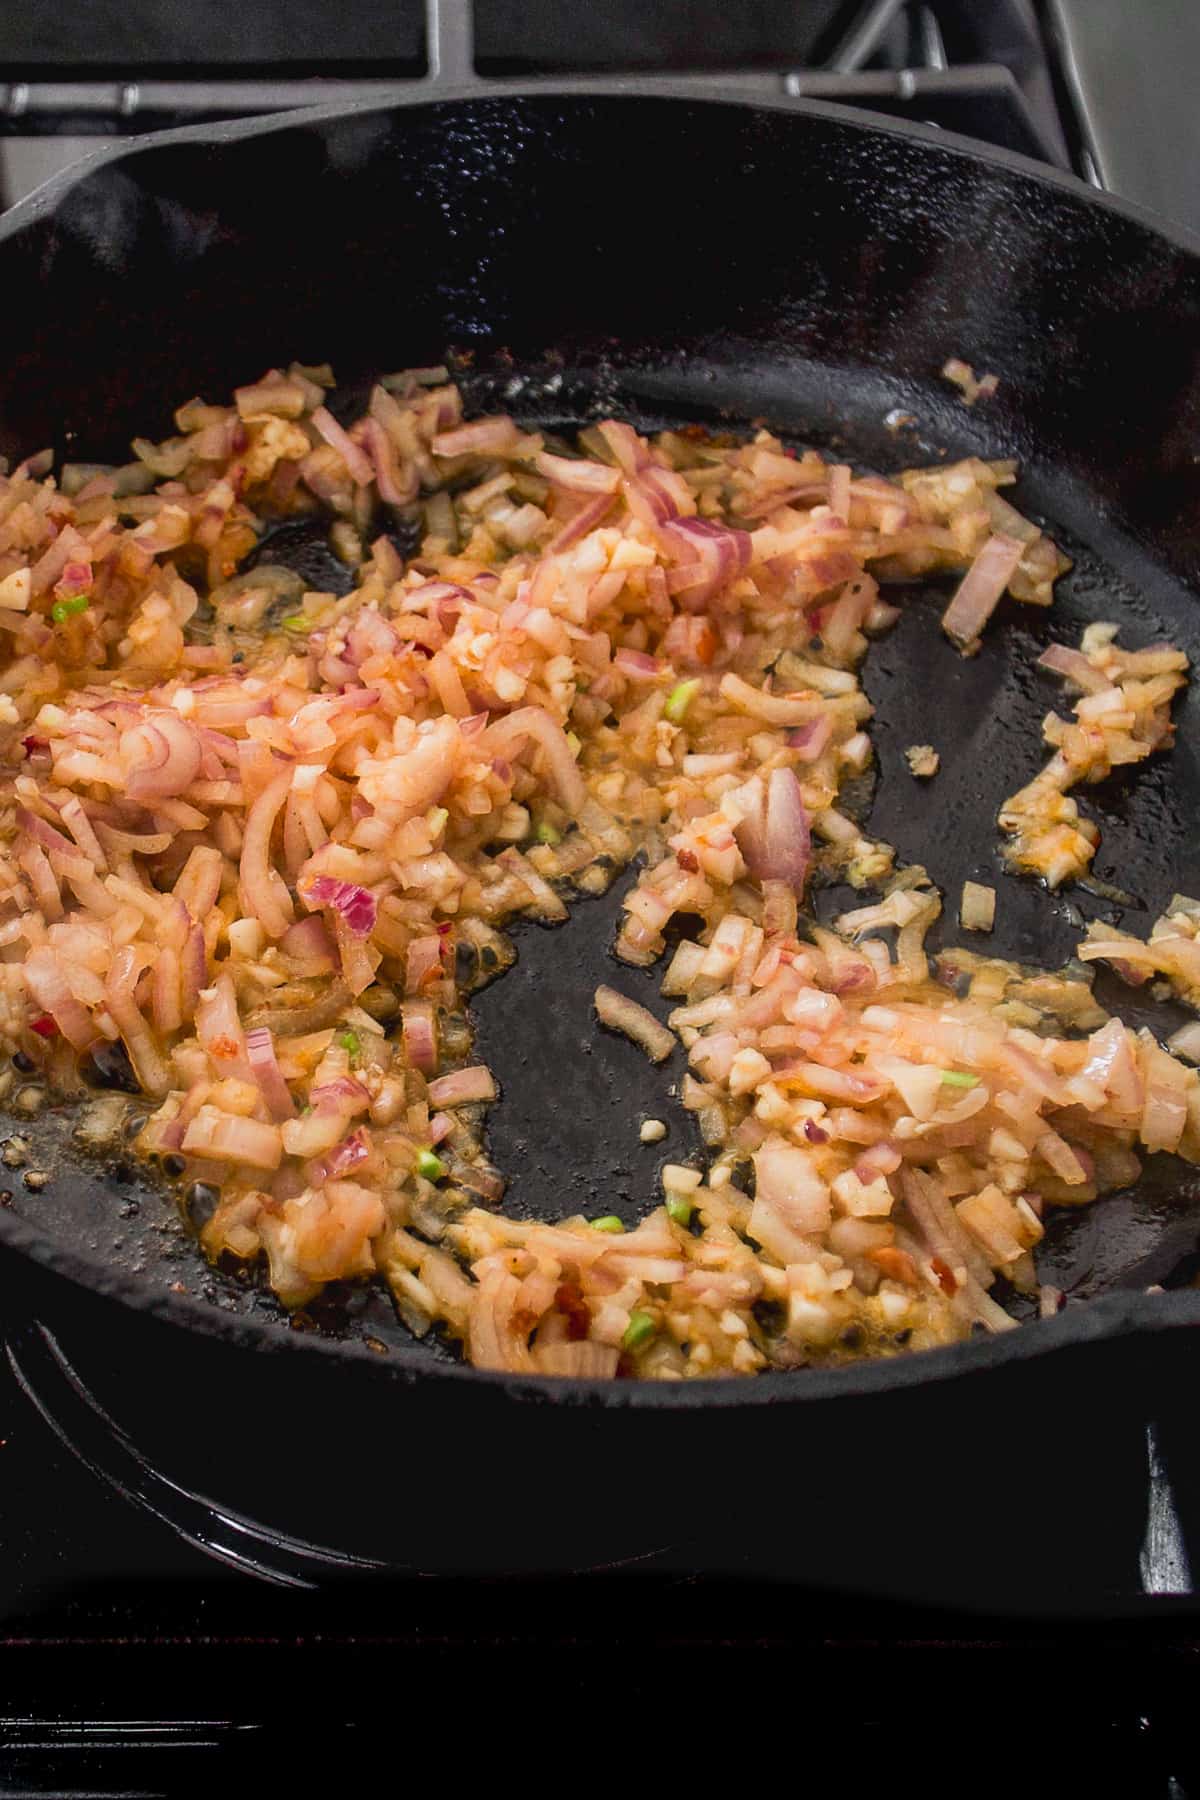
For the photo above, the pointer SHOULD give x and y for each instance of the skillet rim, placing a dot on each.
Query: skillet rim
(37, 203)
(1121, 1315)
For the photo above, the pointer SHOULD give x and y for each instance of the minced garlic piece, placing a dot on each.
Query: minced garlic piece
(972, 387)
(680, 1180)
(978, 909)
(923, 760)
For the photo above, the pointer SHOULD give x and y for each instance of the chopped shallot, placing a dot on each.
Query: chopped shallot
(978, 593)
(620, 1013)
(263, 842)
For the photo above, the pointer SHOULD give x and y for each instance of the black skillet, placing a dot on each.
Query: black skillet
(585, 251)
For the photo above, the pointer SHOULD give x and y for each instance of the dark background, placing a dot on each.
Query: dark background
(312, 36)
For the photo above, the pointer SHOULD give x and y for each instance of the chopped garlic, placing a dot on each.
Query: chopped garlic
(923, 760)
(653, 1131)
(893, 1305)
(971, 386)
(747, 1069)
(677, 1179)
(978, 909)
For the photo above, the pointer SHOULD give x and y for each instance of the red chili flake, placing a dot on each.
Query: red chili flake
(687, 859)
(44, 1026)
(570, 1302)
(790, 453)
(945, 1275)
(814, 1134)
(706, 643)
(445, 928)
(35, 746)
(241, 438)
(897, 1265)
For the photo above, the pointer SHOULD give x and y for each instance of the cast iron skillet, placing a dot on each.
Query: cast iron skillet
(587, 251)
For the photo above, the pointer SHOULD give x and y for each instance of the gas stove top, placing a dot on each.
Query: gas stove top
(1096, 86)
(149, 1621)
(165, 1592)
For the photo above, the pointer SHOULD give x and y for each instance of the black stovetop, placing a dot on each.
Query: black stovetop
(146, 1629)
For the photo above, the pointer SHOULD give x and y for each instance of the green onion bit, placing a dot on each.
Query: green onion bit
(67, 609)
(679, 1208)
(680, 698)
(642, 1326)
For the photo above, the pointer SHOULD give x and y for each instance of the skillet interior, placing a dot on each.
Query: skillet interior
(668, 261)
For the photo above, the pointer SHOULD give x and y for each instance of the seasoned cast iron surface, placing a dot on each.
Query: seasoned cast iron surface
(573, 1096)
(599, 254)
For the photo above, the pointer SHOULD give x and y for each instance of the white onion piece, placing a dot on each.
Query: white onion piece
(263, 894)
(162, 756)
(718, 552)
(1184, 1042)
(809, 741)
(193, 969)
(585, 520)
(260, 1052)
(792, 1207)
(462, 1086)
(534, 724)
(978, 593)
(775, 838)
(44, 833)
(483, 437)
(423, 957)
(621, 1014)
(418, 1035)
(775, 709)
(576, 475)
(308, 941)
(48, 985)
(1060, 659)
(630, 451)
(220, 1030)
(637, 665)
(396, 486)
(121, 1001)
(355, 458)
(1112, 1065)
(582, 1358)
(345, 1156)
(222, 1138)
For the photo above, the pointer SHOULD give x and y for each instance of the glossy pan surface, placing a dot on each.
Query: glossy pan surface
(584, 252)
